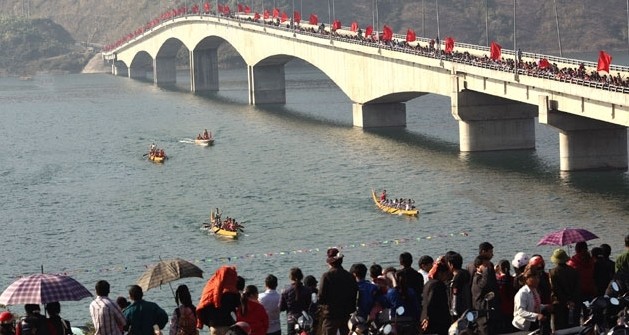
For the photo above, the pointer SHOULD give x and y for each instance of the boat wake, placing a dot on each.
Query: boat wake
(187, 140)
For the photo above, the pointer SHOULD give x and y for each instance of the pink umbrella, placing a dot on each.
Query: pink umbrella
(567, 236)
(42, 289)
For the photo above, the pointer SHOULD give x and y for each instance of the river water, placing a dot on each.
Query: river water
(79, 198)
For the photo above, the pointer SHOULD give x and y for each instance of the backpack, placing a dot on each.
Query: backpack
(186, 323)
(34, 325)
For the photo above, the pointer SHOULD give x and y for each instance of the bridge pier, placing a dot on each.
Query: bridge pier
(584, 143)
(204, 70)
(165, 70)
(489, 122)
(267, 84)
(379, 115)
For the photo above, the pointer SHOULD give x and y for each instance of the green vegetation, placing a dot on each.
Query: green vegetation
(38, 44)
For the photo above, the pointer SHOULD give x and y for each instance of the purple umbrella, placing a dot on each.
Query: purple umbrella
(42, 289)
(567, 236)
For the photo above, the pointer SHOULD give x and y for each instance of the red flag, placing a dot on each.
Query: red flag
(604, 60)
(368, 31)
(276, 12)
(206, 8)
(247, 10)
(256, 16)
(220, 8)
(296, 16)
(313, 19)
(266, 14)
(354, 26)
(336, 24)
(195, 9)
(284, 17)
(410, 35)
(387, 33)
(226, 10)
(449, 41)
(240, 8)
(495, 51)
(544, 63)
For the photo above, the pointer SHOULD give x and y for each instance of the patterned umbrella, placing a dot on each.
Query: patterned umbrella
(42, 289)
(567, 236)
(167, 271)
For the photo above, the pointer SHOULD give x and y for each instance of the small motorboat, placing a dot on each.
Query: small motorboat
(204, 142)
(393, 210)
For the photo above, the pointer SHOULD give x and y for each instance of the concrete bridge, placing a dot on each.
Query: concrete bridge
(495, 108)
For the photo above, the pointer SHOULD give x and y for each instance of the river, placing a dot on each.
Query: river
(79, 198)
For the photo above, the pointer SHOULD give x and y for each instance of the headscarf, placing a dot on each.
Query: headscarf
(223, 281)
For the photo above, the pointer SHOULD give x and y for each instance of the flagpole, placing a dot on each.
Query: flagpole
(487, 22)
(330, 21)
(514, 18)
(292, 25)
(373, 15)
(438, 30)
(557, 23)
(424, 19)
(628, 23)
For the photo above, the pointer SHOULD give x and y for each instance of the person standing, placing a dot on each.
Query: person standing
(527, 311)
(295, 300)
(507, 293)
(184, 318)
(33, 323)
(143, 315)
(414, 279)
(565, 297)
(425, 265)
(460, 293)
(483, 283)
(252, 312)
(622, 260)
(337, 294)
(584, 264)
(435, 317)
(106, 315)
(401, 295)
(61, 326)
(367, 291)
(219, 299)
(270, 299)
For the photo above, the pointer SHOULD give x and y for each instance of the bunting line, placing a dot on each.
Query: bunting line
(267, 255)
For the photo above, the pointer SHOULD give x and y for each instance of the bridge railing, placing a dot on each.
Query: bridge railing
(431, 54)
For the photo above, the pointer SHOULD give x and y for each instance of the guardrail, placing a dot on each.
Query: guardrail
(484, 49)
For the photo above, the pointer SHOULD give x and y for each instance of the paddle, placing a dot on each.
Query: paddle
(146, 154)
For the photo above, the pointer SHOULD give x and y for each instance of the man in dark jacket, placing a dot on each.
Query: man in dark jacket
(337, 295)
(483, 283)
(141, 315)
(414, 279)
(565, 294)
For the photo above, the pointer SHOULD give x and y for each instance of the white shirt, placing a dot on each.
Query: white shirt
(270, 299)
(106, 316)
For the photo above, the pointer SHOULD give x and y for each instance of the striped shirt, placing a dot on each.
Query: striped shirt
(106, 316)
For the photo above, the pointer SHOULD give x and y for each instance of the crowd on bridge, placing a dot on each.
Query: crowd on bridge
(434, 48)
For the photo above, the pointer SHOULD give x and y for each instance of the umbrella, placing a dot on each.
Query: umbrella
(42, 289)
(567, 236)
(167, 271)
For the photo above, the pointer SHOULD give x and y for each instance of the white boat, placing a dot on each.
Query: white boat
(204, 142)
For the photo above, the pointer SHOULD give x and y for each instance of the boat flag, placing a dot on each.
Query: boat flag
(604, 60)
(297, 16)
(495, 51)
(410, 35)
(368, 31)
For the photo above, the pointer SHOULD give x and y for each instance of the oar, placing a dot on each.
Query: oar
(146, 154)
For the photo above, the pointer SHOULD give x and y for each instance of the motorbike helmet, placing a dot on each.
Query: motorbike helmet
(6, 317)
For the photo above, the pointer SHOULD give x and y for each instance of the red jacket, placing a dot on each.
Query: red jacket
(256, 317)
(584, 264)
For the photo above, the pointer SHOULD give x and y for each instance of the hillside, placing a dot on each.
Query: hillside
(583, 24)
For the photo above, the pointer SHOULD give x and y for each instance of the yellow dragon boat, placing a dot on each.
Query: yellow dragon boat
(393, 210)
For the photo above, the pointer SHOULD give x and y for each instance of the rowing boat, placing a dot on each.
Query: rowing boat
(156, 159)
(393, 210)
(216, 230)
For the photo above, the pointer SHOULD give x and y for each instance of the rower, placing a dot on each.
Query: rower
(205, 135)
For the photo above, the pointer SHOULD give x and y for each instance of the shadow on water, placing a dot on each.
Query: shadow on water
(287, 114)
(402, 135)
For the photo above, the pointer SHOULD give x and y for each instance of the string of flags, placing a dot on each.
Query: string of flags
(281, 253)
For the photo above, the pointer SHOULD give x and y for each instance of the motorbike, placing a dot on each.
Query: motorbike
(622, 321)
(305, 322)
(466, 323)
(384, 323)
